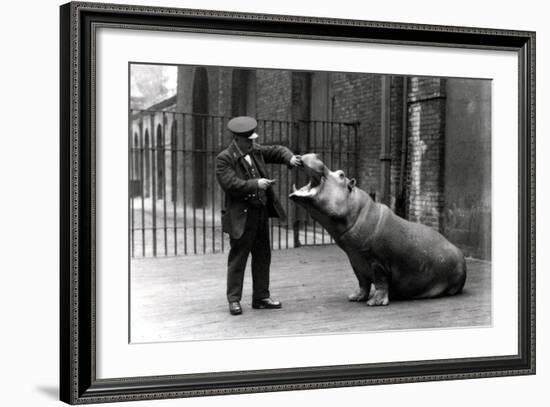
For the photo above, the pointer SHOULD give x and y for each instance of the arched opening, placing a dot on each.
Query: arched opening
(160, 163)
(135, 158)
(200, 120)
(243, 92)
(147, 164)
(135, 168)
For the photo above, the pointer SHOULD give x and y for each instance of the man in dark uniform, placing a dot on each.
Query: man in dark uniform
(249, 202)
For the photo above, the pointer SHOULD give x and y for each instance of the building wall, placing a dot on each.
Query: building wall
(426, 135)
(466, 219)
(357, 97)
(439, 174)
(273, 92)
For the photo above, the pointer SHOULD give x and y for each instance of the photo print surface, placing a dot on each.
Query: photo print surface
(357, 202)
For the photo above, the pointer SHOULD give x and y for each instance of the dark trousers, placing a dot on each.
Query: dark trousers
(255, 241)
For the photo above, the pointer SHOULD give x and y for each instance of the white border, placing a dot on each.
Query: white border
(116, 358)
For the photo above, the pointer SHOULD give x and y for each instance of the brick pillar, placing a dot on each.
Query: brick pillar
(426, 142)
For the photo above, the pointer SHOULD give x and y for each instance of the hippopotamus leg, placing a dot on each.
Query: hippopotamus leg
(363, 291)
(361, 270)
(381, 288)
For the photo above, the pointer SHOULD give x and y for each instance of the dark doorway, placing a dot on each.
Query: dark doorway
(147, 159)
(174, 163)
(243, 93)
(135, 158)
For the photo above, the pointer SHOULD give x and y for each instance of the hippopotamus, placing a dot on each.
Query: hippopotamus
(391, 257)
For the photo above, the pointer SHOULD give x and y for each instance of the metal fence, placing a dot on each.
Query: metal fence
(175, 201)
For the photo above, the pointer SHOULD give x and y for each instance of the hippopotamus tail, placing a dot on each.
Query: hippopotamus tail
(460, 278)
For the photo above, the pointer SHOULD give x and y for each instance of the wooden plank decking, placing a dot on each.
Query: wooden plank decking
(183, 298)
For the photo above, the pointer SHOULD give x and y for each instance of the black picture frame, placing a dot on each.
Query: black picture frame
(78, 382)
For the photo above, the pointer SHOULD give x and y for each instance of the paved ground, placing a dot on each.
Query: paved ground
(183, 298)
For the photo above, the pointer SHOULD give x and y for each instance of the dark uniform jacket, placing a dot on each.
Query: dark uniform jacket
(240, 189)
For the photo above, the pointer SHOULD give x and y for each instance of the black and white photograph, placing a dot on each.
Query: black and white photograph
(275, 202)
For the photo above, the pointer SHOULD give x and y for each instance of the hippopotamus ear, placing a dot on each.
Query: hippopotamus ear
(351, 184)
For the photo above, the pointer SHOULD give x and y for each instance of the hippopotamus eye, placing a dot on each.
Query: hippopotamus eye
(341, 174)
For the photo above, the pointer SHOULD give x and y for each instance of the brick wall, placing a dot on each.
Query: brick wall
(396, 137)
(357, 97)
(426, 104)
(273, 94)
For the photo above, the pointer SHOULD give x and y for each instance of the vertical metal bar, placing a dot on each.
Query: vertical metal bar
(332, 146)
(131, 196)
(288, 180)
(204, 178)
(355, 160)
(294, 141)
(154, 181)
(313, 130)
(332, 152)
(280, 182)
(324, 157)
(348, 150)
(184, 186)
(306, 221)
(324, 140)
(163, 151)
(213, 181)
(142, 155)
(193, 187)
(340, 146)
(174, 172)
(271, 219)
(222, 204)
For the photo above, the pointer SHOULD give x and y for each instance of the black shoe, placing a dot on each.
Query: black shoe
(266, 303)
(235, 308)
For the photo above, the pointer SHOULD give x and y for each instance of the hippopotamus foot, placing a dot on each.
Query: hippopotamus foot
(380, 297)
(381, 288)
(360, 295)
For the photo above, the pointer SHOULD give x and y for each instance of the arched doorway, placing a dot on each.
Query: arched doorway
(147, 165)
(135, 168)
(200, 120)
(135, 158)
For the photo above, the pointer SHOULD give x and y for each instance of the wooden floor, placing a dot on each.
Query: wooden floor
(183, 298)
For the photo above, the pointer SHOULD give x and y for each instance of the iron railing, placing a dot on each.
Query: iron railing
(175, 201)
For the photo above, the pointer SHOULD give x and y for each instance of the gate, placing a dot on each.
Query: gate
(175, 201)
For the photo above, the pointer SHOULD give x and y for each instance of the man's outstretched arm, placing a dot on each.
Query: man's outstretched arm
(279, 155)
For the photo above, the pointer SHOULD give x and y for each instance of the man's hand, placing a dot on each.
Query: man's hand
(296, 161)
(264, 183)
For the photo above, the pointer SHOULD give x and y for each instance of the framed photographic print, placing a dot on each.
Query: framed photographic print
(254, 203)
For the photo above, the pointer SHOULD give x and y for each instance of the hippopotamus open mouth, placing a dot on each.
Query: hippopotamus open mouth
(315, 171)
